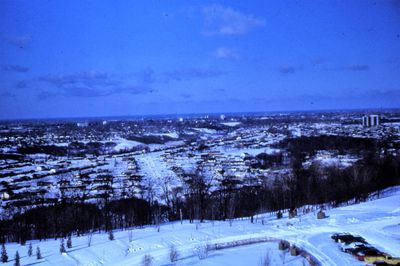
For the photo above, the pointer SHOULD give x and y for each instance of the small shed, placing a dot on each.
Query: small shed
(283, 245)
(294, 251)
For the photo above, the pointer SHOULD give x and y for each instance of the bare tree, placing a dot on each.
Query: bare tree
(157, 218)
(201, 251)
(231, 210)
(38, 253)
(166, 188)
(198, 188)
(147, 260)
(148, 193)
(4, 256)
(173, 253)
(110, 235)
(69, 242)
(89, 239)
(16, 260)
(176, 202)
(30, 251)
(130, 235)
(62, 246)
(228, 185)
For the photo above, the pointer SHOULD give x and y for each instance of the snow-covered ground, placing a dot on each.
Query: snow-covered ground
(156, 173)
(124, 144)
(231, 124)
(378, 221)
(240, 152)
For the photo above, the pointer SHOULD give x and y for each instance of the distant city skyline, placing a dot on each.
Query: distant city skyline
(127, 58)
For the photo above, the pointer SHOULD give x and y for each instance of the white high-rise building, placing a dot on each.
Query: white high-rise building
(370, 120)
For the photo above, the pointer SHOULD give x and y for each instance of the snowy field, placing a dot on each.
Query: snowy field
(378, 221)
(240, 152)
(231, 124)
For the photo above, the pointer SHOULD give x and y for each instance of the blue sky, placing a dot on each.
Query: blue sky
(111, 58)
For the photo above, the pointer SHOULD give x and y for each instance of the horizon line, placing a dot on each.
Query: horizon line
(192, 115)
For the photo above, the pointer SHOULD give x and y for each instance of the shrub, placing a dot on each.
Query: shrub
(201, 251)
(147, 260)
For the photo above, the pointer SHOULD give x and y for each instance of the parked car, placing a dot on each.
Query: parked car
(378, 263)
(352, 239)
(367, 253)
(354, 251)
(347, 238)
(339, 236)
(347, 248)
(389, 260)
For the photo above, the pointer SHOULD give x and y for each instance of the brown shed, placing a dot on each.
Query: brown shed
(294, 251)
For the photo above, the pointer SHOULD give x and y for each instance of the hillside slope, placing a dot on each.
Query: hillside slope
(378, 221)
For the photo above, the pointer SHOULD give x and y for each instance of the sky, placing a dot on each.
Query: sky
(120, 58)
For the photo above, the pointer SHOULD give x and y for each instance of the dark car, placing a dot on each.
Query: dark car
(380, 263)
(368, 252)
(340, 236)
(356, 239)
(356, 250)
(347, 238)
(351, 246)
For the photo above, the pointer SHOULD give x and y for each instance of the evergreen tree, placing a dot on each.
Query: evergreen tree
(62, 246)
(38, 254)
(4, 256)
(30, 250)
(16, 263)
(69, 242)
(110, 235)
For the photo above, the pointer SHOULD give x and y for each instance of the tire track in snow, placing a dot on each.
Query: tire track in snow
(321, 258)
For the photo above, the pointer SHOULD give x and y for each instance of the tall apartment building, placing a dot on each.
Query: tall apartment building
(370, 120)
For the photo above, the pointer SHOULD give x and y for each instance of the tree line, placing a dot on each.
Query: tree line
(205, 196)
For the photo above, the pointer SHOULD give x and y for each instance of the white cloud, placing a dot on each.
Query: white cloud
(227, 21)
(226, 53)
